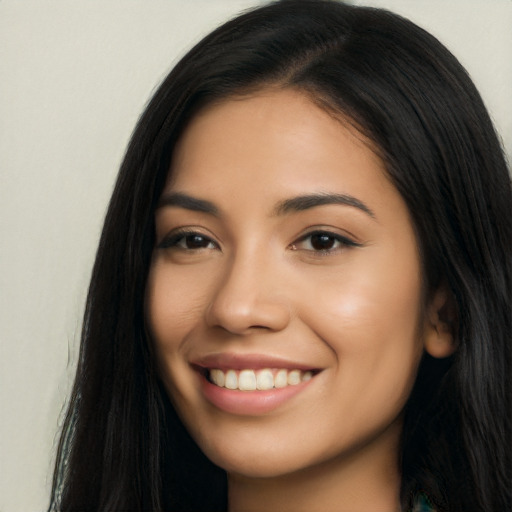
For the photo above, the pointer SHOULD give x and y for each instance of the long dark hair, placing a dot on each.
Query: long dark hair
(123, 447)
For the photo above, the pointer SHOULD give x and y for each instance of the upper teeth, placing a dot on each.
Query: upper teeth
(251, 380)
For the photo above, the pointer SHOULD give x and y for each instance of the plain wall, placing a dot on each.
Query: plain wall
(74, 76)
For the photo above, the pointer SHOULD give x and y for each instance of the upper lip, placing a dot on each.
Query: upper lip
(233, 361)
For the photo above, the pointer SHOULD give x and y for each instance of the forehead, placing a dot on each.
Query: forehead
(274, 134)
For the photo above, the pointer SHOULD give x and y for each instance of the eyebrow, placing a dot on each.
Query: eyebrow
(300, 203)
(294, 204)
(188, 202)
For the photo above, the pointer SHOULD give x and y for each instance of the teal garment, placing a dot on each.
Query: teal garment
(423, 504)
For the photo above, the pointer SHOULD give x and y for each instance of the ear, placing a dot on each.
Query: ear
(441, 324)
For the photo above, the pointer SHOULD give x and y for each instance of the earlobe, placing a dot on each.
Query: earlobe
(441, 324)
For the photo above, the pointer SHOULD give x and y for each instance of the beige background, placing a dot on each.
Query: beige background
(74, 77)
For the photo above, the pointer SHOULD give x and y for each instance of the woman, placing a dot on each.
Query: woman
(301, 295)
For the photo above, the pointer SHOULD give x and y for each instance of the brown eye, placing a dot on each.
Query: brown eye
(322, 241)
(195, 242)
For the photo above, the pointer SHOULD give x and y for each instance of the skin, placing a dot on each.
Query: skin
(255, 284)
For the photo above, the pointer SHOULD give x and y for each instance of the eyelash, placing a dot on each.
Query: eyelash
(174, 240)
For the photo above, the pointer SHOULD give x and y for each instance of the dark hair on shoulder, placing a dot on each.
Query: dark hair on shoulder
(123, 447)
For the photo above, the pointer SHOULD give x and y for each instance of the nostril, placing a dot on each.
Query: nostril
(241, 308)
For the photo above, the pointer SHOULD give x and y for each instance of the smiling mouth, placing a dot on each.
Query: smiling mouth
(257, 380)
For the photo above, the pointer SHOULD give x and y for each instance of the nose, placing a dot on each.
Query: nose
(249, 296)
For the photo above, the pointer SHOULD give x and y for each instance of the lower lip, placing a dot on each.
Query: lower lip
(249, 403)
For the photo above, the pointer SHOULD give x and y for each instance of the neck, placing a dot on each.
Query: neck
(368, 480)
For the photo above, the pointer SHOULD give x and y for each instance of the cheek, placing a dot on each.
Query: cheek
(174, 304)
(367, 304)
(370, 321)
(174, 308)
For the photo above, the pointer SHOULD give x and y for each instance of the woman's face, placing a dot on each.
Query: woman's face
(285, 264)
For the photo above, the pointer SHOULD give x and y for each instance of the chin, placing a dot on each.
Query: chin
(260, 460)
(248, 459)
